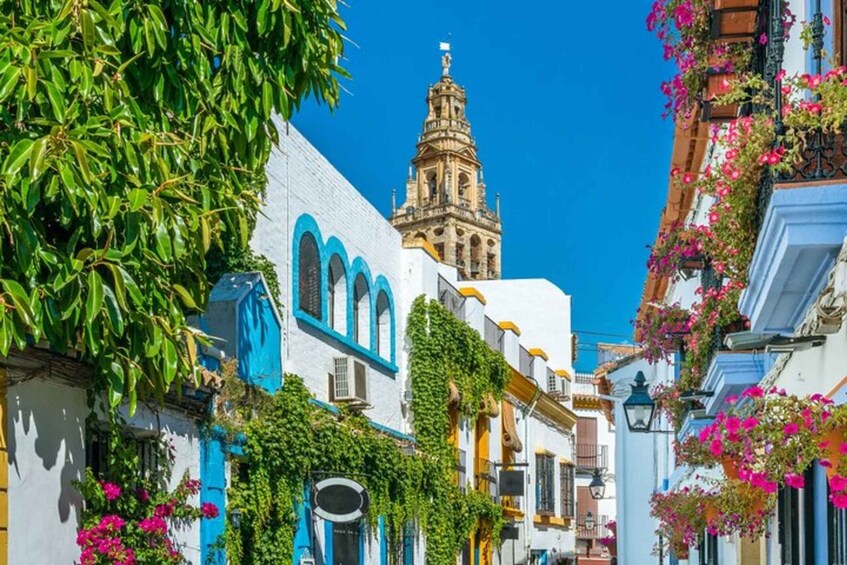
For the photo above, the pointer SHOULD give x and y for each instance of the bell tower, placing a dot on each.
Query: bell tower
(445, 192)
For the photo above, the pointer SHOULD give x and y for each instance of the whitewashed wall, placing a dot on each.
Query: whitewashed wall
(302, 181)
(46, 423)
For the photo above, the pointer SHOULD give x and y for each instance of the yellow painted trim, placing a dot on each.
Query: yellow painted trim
(565, 460)
(421, 243)
(4, 475)
(539, 450)
(538, 352)
(469, 291)
(513, 512)
(564, 374)
(586, 402)
(510, 326)
(553, 521)
(525, 391)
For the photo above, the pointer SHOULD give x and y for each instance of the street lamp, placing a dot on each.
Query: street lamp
(597, 487)
(639, 407)
(235, 518)
(589, 521)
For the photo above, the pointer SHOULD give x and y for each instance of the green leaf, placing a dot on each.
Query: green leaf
(36, 157)
(116, 384)
(137, 197)
(88, 29)
(94, 302)
(185, 296)
(18, 156)
(57, 102)
(171, 360)
(19, 299)
(8, 82)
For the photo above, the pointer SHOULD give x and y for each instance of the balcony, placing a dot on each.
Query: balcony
(486, 477)
(729, 374)
(482, 216)
(598, 531)
(590, 456)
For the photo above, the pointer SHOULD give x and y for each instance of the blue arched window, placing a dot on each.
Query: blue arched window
(309, 276)
(361, 310)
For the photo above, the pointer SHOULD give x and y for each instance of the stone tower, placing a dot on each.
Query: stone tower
(445, 192)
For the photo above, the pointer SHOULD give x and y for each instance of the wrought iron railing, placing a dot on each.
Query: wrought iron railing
(493, 335)
(584, 378)
(591, 456)
(486, 477)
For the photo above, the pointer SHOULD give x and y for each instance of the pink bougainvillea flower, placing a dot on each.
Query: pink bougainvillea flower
(763, 39)
(153, 525)
(110, 490)
(839, 500)
(837, 483)
(794, 480)
(209, 510)
(827, 21)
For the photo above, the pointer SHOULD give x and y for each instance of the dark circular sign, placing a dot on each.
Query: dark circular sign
(340, 500)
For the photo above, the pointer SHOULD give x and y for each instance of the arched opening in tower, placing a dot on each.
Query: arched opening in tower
(476, 257)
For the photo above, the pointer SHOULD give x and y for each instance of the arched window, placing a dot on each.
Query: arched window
(432, 187)
(309, 272)
(464, 190)
(361, 310)
(476, 256)
(383, 325)
(337, 295)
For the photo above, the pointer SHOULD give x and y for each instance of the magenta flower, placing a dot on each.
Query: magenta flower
(794, 480)
(750, 423)
(209, 510)
(716, 447)
(838, 483)
(153, 525)
(790, 429)
(110, 490)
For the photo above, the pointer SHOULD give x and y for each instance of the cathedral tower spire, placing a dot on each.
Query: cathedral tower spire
(445, 192)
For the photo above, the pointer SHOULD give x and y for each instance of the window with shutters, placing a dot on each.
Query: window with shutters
(146, 447)
(309, 277)
(383, 325)
(568, 478)
(545, 489)
(708, 550)
(336, 302)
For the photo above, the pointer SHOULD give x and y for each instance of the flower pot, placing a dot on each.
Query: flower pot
(757, 505)
(711, 513)
(834, 439)
(718, 83)
(613, 550)
(692, 263)
(730, 468)
(734, 20)
(737, 326)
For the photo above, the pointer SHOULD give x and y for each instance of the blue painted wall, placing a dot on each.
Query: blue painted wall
(213, 489)
(259, 341)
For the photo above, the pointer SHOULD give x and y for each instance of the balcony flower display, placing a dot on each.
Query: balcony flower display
(683, 27)
(661, 331)
(738, 507)
(681, 515)
(678, 248)
(768, 439)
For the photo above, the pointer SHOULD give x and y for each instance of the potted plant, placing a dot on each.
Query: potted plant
(681, 515)
(738, 507)
(660, 331)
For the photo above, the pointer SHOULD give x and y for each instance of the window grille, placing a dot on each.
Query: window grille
(309, 272)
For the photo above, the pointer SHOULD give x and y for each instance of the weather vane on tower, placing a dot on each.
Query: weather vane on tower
(446, 58)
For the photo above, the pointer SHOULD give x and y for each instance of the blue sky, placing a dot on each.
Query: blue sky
(564, 103)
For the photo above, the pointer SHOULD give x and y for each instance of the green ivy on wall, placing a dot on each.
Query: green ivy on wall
(290, 441)
(443, 350)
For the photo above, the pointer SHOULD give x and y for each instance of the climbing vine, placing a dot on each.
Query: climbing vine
(444, 350)
(291, 440)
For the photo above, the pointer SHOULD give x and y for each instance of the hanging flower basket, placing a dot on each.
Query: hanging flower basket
(734, 20)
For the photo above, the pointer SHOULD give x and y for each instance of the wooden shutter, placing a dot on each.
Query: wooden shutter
(586, 431)
(585, 503)
(309, 273)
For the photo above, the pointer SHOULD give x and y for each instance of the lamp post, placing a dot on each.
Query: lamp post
(639, 407)
(597, 487)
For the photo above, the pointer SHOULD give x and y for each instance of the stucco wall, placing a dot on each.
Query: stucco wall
(302, 182)
(46, 423)
(539, 308)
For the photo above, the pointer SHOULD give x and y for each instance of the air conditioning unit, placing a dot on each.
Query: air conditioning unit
(349, 381)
